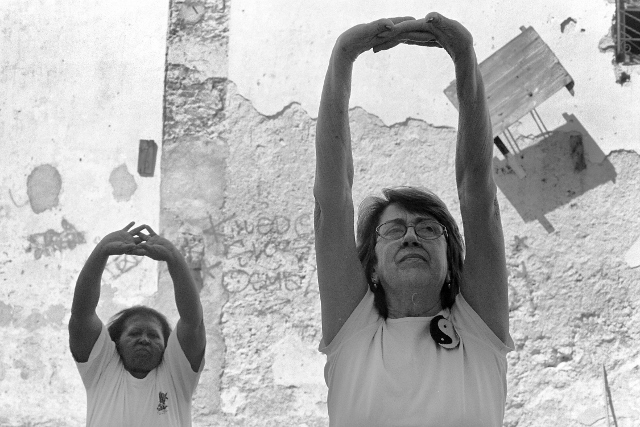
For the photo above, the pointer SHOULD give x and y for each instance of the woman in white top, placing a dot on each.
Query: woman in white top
(415, 329)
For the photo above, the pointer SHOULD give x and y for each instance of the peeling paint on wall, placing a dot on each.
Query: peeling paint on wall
(43, 188)
(567, 25)
(123, 183)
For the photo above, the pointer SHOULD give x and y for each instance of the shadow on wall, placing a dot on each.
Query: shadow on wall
(564, 165)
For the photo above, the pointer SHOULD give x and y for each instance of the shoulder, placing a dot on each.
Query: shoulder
(364, 315)
(470, 324)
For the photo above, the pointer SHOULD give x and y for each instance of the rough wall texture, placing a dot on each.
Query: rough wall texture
(194, 163)
(236, 197)
(573, 298)
(81, 83)
(240, 184)
(286, 62)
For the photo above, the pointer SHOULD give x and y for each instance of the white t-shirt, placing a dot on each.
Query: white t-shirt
(392, 373)
(115, 398)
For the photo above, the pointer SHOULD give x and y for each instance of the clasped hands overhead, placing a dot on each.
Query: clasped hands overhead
(434, 30)
(134, 242)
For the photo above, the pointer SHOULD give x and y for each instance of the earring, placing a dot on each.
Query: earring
(447, 282)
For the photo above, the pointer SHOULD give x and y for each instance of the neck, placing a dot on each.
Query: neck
(138, 374)
(412, 303)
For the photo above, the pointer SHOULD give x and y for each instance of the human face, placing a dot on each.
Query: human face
(141, 345)
(410, 260)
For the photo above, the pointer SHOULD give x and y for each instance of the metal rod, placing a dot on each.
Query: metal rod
(514, 141)
(606, 401)
(508, 141)
(619, 5)
(536, 120)
(608, 398)
(546, 131)
(498, 142)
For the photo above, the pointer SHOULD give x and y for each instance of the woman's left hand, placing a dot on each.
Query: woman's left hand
(435, 30)
(153, 246)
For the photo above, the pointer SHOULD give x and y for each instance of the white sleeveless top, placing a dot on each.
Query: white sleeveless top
(392, 373)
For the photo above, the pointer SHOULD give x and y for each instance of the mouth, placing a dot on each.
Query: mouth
(412, 256)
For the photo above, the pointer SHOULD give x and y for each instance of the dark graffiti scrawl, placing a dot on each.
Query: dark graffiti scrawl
(50, 241)
(121, 264)
(262, 252)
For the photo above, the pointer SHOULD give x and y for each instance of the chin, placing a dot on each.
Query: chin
(144, 365)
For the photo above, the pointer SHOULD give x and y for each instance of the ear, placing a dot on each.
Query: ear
(374, 276)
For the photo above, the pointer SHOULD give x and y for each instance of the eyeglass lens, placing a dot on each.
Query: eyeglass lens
(424, 229)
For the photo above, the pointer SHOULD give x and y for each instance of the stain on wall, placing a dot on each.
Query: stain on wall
(43, 188)
(35, 320)
(51, 241)
(123, 183)
(55, 314)
(6, 314)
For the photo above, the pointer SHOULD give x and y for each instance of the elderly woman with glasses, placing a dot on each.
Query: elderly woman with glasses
(415, 329)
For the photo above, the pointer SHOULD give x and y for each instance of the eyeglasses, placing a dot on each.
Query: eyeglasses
(425, 229)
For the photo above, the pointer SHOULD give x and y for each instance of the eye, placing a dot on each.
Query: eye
(429, 228)
(392, 229)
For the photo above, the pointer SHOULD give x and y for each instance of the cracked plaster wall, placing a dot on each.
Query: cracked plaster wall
(235, 196)
(248, 130)
(81, 84)
(286, 63)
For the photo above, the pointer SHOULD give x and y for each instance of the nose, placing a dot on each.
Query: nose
(410, 238)
(144, 339)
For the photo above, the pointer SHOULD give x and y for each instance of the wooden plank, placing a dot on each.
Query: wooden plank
(518, 77)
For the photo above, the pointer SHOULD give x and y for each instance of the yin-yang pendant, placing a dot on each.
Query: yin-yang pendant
(443, 332)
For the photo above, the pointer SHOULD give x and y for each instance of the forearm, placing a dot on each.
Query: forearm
(185, 290)
(87, 291)
(474, 150)
(334, 163)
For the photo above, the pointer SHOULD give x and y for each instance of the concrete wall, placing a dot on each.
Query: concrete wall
(570, 225)
(234, 191)
(81, 85)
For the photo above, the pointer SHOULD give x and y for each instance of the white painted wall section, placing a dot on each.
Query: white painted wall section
(279, 51)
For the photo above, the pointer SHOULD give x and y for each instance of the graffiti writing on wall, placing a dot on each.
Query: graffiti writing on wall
(121, 264)
(52, 241)
(264, 252)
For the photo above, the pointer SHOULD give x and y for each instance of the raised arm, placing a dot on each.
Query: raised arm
(485, 284)
(485, 272)
(340, 275)
(190, 328)
(85, 325)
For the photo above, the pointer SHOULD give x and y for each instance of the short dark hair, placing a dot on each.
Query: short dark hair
(119, 320)
(417, 201)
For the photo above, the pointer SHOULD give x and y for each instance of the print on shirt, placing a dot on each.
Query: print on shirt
(162, 403)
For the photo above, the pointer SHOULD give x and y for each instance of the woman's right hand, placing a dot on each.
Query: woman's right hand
(121, 241)
(377, 35)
